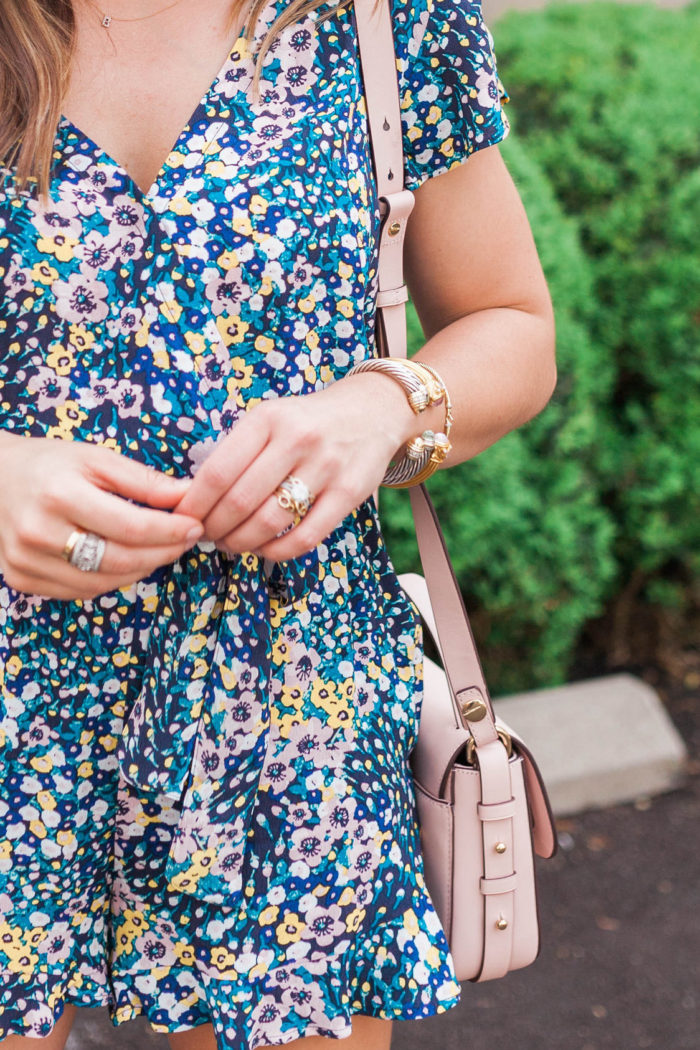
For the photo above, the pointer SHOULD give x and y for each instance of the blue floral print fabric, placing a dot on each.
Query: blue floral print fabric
(206, 808)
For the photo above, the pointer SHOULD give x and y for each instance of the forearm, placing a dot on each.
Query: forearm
(498, 366)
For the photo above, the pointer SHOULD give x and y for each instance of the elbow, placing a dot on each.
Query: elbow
(545, 361)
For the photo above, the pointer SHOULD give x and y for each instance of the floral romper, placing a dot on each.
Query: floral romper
(206, 808)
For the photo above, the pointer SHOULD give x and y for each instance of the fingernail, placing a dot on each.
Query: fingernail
(194, 534)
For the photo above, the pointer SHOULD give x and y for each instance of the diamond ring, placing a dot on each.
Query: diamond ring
(84, 550)
(292, 494)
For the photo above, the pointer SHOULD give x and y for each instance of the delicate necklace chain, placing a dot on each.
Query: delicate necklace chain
(108, 19)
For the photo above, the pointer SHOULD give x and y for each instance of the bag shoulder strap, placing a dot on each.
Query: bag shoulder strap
(470, 698)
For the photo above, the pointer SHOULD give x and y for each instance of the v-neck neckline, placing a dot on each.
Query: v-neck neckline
(234, 55)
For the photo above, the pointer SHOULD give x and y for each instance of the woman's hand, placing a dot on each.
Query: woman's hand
(338, 441)
(52, 487)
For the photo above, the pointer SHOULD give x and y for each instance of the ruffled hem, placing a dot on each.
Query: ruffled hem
(245, 1017)
(34, 1011)
(122, 1015)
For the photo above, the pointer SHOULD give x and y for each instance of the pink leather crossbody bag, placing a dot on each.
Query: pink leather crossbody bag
(482, 807)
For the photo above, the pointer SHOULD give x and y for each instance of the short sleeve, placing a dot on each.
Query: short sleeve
(451, 95)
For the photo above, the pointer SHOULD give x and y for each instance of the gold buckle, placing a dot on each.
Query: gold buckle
(504, 737)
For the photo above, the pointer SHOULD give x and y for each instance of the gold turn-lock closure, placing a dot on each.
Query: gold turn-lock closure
(394, 228)
(474, 710)
(500, 847)
(501, 924)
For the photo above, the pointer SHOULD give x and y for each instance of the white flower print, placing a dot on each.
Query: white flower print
(49, 388)
(487, 88)
(81, 298)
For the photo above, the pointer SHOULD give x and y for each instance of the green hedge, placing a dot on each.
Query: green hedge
(547, 527)
(612, 115)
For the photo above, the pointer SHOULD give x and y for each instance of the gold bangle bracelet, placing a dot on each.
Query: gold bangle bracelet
(413, 383)
(439, 388)
(423, 455)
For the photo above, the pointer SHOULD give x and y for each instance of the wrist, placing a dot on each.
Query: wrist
(389, 404)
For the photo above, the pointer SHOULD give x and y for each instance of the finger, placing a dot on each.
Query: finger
(330, 508)
(246, 497)
(114, 518)
(134, 480)
(42, 573)
(261, 527)
(222, 469)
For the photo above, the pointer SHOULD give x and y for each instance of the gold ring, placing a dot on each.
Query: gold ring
(70, 544)
(292, 494)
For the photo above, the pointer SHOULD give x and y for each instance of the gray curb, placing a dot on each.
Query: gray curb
(598, 742)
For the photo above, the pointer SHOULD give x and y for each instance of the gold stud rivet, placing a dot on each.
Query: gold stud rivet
(500, 847)
(394, 229)
(502, 924)
(474, 710)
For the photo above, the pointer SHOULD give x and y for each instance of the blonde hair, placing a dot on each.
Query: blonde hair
(37, 38)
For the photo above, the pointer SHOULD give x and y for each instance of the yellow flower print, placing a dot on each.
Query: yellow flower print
(24, 961)
(258, 204)
(141, 336)
(354, 920)
(232, 329)
(345, 269)
(307, 304)
(346, 308)
(241, 376)
(269, 915)
(161, 357)
(132, 926)
(80, 338)
(70, 415)
(13, 665)
(241, 224)
(280, 652)
(228, 678)
(336, 708)
(41, 763)
(228, 261)
(224, 961)
(42, 273)
(292, 696)
(285, 723)
(37, 828)
(434, 115)
(200, 863)
(201, 668)
(410, 922)
(171, 310)
(184, 953)
(264, 344)
(66, 838)
(215, 169)
(290, 929)
(447, 148)
(62, 247)
(179, 205)
(5, 849)
(196, 342)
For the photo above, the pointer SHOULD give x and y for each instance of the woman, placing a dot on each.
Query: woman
(210, 683)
